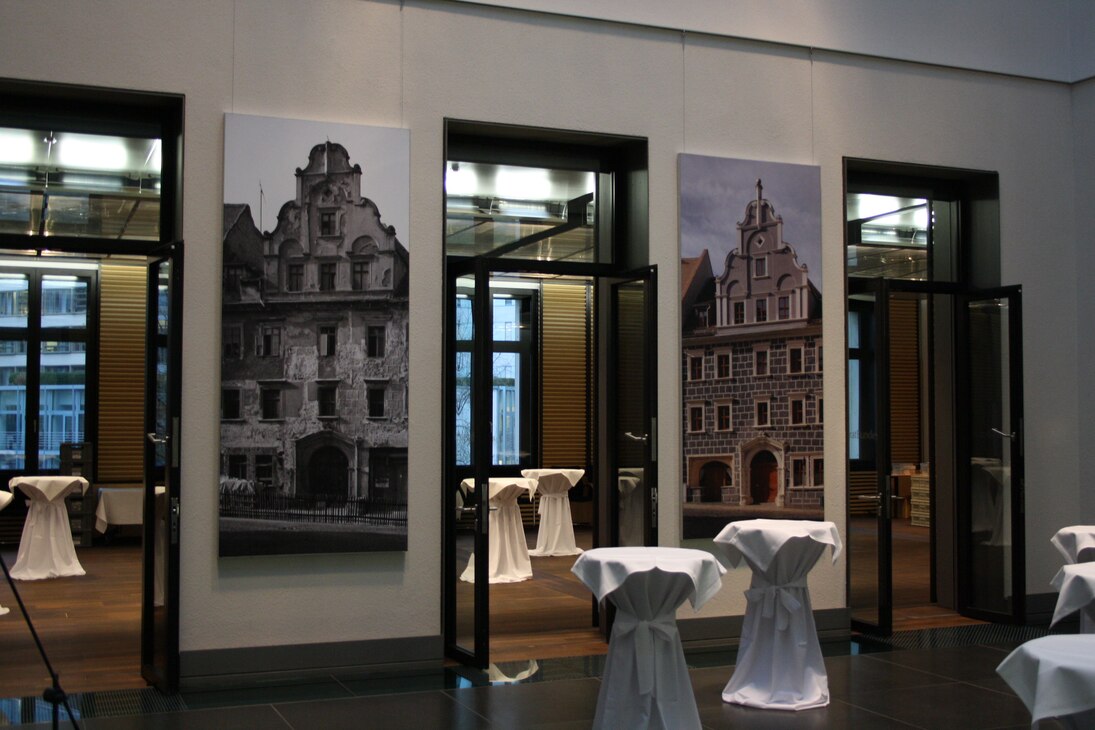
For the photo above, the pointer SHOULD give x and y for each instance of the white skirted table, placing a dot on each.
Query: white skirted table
(556, 533)
(119, 506)
(1075, 586)
(779, 663)
(46, 549)
(507, 556)
(1076, 544)
(5, 500)
(645, 682)
(1054, 676)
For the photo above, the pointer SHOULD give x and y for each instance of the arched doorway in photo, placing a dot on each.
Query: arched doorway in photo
(763, 481)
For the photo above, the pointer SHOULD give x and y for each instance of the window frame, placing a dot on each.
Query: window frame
(694, 407)
(729, 405)
(765, 401)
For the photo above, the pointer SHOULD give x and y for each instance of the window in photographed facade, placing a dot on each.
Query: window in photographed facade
(760, 362)
(695, 418)
(328, 339)
(784, 307)
(271, 404)
(722, 364)
(795, 359)
(232, 342)
(294, 277)
(231, 408)
(237, 466)
(762, 311)
(359, 275)
(817, 356)
(268, 342)
(328, 223)
(233, 275)
(798, 472)
(375, 341)
(724, 416)
(739, 312)
(327, 400)
(818, 464)
(760, 267)
(798, 410)
(375, 401)
(761, 411)
(328, 272)
(264, 471)
(695, 367)
(820, 410)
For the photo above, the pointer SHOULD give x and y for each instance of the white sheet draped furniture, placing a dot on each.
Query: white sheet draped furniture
(1054, 676)
(5, 500)
(556, 533)
(1077, 545)
(1075, 586)
(507, 554)
(119, 506)
(779, 663)
(645, 682)
(46, 549)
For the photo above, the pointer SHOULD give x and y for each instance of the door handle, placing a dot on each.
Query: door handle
(633, 437)
(998, 432)
(871, 497)
(156, 439)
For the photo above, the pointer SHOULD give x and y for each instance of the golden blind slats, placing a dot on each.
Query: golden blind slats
(904, 381)
(120, 450)
(564, 368)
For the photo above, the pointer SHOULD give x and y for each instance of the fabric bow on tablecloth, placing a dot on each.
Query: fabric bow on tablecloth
(786, 607)
(645, 657)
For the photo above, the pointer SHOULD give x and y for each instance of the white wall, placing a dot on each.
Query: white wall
(380, 63)
(1083, 126)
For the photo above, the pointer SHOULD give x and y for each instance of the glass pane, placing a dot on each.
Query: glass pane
(990, 456)
(64, 183)
(887, 236)
(61, 399)
(507, 319)
(463, 589)
(506, 408)
(631, 418)
(64, 301)
(14, 300)
(464, 325)
(13, 403)
(463, 408)
(520, 212)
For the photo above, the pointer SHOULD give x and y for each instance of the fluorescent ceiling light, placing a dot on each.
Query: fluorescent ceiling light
(92, 153)
(461, 180)
(523, 183)
(16, 146)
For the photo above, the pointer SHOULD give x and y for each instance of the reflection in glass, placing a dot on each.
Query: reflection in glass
(631, 428)
(13, 403)
(14, 300)
(887, 236)
(64, 301)
(506, 399)
(63, 378)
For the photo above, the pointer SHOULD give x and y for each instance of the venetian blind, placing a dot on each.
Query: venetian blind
(904, 381)
(120, 450)
(564, 370)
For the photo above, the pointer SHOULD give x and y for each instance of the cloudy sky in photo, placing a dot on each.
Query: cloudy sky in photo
(714, 192)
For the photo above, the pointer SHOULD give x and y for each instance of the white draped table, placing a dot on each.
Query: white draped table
(5, 500)
(1054, 676)
(630, 513)
(1075, 586)
(119, 506)
(556, 533)
(779, 663)
(645, 682)
(46, 549)
(1076, 544)
(507, 554)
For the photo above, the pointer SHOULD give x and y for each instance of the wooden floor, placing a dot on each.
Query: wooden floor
(89, 625)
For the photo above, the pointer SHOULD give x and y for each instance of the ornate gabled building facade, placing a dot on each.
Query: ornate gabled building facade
(752, 372)
(314, 349)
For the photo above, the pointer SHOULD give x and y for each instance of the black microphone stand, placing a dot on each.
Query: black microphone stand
(52, 694)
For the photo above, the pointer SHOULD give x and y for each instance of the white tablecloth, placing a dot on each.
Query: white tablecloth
(1055, 677)
(5, 500)
(119, 506)
(1076, 543)
(507, 555)
(1075, 585)
(46, 549)
(779, 663)
(556, 534)
(645, 682)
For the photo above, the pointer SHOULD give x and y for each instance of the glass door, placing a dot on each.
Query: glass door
(990, 474)
(632, 413)
(870, 572)
(163, 389)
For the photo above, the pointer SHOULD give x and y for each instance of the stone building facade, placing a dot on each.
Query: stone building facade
(314, 342)
(752, 362)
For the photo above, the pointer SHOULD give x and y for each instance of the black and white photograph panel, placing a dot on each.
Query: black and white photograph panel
(314, 338)
(751, 347)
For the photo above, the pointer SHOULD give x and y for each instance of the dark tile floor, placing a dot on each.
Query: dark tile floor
(933, 687)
